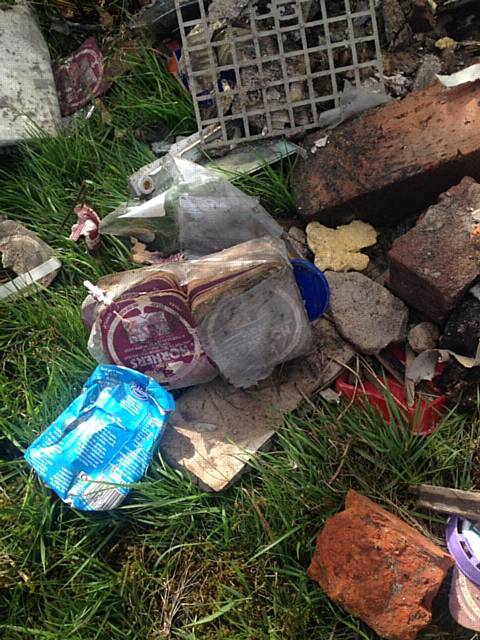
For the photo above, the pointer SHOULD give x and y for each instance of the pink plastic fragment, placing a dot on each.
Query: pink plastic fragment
(87, 227)
(84, 76)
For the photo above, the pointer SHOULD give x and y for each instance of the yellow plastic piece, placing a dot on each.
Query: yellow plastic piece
(446, 43)
(339, 249)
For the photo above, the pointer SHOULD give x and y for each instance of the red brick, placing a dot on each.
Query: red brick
(393, 160)
(433, 265)
(379, 568)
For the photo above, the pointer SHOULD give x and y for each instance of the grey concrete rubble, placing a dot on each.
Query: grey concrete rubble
(28, 98)
(365, 313)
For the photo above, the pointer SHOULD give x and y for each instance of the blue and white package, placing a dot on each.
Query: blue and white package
(104, 440)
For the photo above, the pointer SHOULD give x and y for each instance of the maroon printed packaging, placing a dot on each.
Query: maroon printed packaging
(238, 312)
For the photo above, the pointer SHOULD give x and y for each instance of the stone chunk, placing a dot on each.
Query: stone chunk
(462, 331)
(393, 160)
(421, 18)
(379, 568)
(433, 265)
(427, 72)
(298, 239)
(397, 32)
(423, 337)
(365, 313)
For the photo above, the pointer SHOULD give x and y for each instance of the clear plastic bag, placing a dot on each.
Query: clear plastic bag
(238, 312)
(198, 213)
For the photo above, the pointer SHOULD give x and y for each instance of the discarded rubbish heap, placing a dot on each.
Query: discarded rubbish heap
(242, 318)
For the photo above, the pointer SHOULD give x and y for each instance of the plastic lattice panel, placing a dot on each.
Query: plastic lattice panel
(277, 66)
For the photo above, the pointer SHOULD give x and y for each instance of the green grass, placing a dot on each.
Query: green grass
(174, 562)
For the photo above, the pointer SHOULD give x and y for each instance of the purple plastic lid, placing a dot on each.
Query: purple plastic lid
(460, 533)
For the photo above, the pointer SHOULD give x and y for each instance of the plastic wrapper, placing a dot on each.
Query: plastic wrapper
(238, 312)
(104, 440)
(198, 212)
(85, 75)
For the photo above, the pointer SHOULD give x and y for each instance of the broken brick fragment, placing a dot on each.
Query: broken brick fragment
(421, 18)
(433, 265)
(393, 160)
(379, 568)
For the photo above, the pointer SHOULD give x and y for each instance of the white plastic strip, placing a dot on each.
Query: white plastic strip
(470, 74)
(29, 278)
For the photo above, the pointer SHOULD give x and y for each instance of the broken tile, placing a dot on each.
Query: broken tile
(379, 568)
(339, 249)
(217, 428)
(365, 313)
(434, 264)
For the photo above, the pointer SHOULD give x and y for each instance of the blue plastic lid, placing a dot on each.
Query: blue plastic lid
(314, 288)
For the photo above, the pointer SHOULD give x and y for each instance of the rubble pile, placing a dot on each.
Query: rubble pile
(242, 316)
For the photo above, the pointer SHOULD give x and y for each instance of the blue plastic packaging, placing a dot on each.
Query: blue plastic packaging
(104, 440)
(314, 288)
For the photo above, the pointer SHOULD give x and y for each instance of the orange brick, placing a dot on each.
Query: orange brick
(379, 568)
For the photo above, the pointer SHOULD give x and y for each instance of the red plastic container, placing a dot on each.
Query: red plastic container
(424, 416)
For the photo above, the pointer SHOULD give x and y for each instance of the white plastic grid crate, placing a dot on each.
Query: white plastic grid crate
(277, 69)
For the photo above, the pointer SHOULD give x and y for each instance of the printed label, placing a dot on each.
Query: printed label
(153, 332)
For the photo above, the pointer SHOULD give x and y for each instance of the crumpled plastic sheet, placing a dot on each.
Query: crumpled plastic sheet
(82, 77)
(353, 102)
(86, 227)
(198, 213)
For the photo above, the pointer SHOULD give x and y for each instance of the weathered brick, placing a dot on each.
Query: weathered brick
(393, 160)
(433, 265)
(379, 568)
